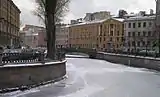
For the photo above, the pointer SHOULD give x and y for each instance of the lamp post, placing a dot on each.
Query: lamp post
(157, 23)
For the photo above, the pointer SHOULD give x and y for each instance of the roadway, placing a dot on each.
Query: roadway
(97, 78)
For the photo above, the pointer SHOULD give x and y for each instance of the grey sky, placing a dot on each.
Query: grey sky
(78, 8)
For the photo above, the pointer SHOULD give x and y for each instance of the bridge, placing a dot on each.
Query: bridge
(90, 52)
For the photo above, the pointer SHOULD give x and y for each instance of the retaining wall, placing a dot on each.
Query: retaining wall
(12, 76)
(136, 61)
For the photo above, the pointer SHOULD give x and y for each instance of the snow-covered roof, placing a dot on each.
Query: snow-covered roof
(97, 21)
(130, 15)
(31, 34)
(67, 26)
(119, 19)
(141, 18)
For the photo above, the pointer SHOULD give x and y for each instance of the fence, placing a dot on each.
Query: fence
(21, 58)
(27, 57)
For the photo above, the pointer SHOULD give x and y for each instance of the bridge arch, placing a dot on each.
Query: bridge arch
(90, 52)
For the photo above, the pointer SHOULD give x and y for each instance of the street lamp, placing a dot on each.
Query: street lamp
(156, 23)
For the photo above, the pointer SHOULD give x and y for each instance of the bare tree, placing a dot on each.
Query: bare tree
(60, 11)
(51, 12)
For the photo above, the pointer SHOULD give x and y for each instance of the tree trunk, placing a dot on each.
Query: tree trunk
(50, 28)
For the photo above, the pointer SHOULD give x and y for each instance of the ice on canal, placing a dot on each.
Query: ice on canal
(97, 78)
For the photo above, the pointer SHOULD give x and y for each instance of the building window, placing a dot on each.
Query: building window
(111, 33)
(122, 39)
(139, 25)
(111, 39)
(139, 33)
(144, 33)
(148, 43)
(129, 34)
(144, 24)
(104, 39)
(133, 34)
(133, 43)
(149, 33)
(117, 39)
(134, 25)
(139, 43)
(117, 45)
(143, 43)
(129, 44)
(129, 25)
(104, 46)
(117, 33)
(100, 39)
(150, 24)
(111, 25)
(34, 38)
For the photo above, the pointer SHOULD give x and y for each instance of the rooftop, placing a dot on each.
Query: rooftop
(119, 19)
(15, 6)
(99, 21)
(141, 18)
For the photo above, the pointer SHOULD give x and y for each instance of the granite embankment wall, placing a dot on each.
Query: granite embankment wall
(136, 61)
(13, 76)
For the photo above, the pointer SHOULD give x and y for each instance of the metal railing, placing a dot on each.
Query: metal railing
(27, 57)
(144, 54)
(17, 58)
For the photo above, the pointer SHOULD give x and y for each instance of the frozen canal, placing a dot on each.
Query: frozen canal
(96, 78)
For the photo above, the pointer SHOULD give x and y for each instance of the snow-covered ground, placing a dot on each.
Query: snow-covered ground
(77, 56)
(97, 78)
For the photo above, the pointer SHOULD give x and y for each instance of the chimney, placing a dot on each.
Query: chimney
(142, 13)
(151, 12)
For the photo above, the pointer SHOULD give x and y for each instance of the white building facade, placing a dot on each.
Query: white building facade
(140, 33)
(31, 36)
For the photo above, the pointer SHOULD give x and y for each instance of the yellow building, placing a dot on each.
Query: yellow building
(83, 35)
(111, 35)
(104, 35)
(9, 22)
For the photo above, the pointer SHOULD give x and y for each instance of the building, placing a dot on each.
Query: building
(97, 16)
(42, 38)
(139, 33)
(34, 36)
(22, 37)
(84, 35)
(62, 36)
(103, 35)
(110, 37)
(9, 23)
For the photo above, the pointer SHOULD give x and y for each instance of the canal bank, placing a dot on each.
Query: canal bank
(129, 60)
(98, 78)
(24, 76)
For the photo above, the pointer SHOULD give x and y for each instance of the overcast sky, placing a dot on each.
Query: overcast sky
(78, 8)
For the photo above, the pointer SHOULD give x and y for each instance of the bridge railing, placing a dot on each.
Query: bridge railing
(26, 57)
(7, 58)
